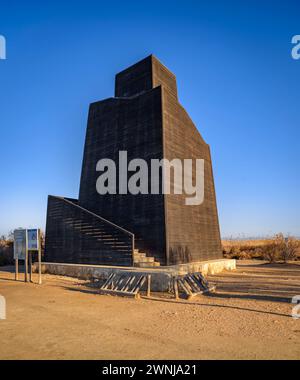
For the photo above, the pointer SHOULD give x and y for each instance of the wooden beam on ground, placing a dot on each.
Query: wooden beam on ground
(119, 293)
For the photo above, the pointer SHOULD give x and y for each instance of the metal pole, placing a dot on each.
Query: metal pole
(40, 259)
(40, 267)
(26, 267)
(30, 266)
(17, 269)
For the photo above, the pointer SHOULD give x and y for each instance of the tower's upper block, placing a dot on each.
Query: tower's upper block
(144, 76)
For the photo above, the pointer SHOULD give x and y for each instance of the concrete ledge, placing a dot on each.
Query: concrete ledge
(160, 277)
(209, 267)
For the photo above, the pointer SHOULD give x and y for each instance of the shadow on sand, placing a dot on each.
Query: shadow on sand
(94, 290)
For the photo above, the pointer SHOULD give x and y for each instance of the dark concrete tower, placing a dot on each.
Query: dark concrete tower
(146, 119)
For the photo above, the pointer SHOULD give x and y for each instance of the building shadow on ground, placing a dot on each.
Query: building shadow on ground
(201, 304)
(167, 299)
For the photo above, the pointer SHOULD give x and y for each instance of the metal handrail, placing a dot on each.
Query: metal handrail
(95, 215)
(103, 220)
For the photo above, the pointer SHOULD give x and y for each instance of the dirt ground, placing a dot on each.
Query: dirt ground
(249, 317)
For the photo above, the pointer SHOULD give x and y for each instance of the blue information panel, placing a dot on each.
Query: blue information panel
(20, 244)
(33, 239)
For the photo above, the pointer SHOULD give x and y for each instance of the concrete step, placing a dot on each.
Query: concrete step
(143, 254)
(139, 256)
(144, 259)
(148, 259)
(144, 265)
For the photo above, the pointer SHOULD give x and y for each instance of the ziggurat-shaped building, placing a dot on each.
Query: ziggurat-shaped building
(145, 119)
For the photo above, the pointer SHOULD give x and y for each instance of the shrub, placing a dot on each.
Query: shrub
(6, 252)
(290, 249)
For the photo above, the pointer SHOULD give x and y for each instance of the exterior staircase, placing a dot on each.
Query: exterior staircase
(141, 260)
(72, 229)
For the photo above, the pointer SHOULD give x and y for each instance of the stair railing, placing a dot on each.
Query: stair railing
(126, 232)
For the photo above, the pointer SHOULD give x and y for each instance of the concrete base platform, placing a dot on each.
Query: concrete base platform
(161, 278)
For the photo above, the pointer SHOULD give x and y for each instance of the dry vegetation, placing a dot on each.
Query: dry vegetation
(277, 248)
(6, 250)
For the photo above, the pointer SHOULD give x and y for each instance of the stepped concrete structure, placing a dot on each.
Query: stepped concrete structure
(146, 119)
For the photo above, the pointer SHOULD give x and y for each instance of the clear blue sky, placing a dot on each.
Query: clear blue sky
(235, 75)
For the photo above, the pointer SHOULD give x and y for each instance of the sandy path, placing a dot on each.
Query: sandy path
(65, 319)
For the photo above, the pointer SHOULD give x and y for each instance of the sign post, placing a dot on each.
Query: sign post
(34, 244)
(26, 259)
(17, 269)
(25, 243)
(30, 266)
(40, 263)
